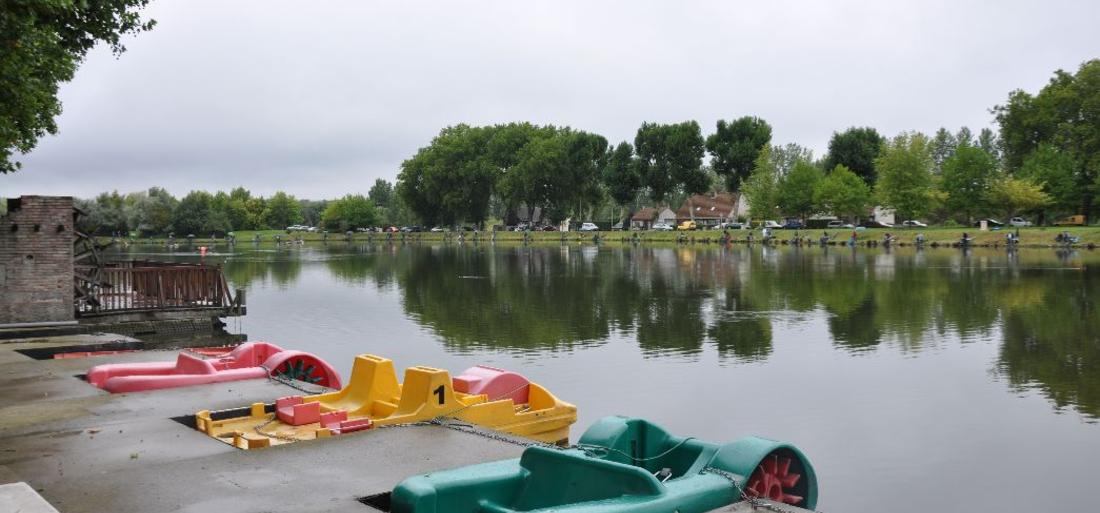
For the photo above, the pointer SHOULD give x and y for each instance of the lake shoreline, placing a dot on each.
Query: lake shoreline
(1029, 238)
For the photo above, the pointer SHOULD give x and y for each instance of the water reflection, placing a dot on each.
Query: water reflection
(683, 302)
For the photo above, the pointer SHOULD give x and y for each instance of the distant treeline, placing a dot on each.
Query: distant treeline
(157, 212)
(1044, 162)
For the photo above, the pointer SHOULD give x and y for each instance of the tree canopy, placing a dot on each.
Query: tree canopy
(795, 194)
(966, 177)
(905, 175)
(856, 149)
(843, 193)
(1063, 116)
(349, 213)
(44, 42)
(762, 187)
(734, 146)
(671, 157)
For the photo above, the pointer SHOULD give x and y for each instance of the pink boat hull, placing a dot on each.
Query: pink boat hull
(251, 360)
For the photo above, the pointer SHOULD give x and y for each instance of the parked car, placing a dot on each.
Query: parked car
(687, 225)
(436, 229)
(793, 224)
(989, 222)
(1019, 222)
(589, 227)
(521, 227)
(392, 229)
(913, 223)
(411, 229)
(548, 228)
(732, 225)
(1077, 220)
(661, 227)
(839, 224)
(771, 224)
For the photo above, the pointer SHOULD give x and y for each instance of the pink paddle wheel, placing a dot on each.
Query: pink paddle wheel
(775, 480)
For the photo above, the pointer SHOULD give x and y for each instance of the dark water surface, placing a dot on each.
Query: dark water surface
(915, 381)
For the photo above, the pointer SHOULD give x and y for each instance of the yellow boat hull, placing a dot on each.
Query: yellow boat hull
(374, 393)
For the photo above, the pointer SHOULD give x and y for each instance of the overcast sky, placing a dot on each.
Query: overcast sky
(320, 98)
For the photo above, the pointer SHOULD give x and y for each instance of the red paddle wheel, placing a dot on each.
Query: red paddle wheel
(775, 480)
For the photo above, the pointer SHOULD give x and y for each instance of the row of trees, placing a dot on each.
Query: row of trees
(918, 176)
(157, 212)
(1045, 161)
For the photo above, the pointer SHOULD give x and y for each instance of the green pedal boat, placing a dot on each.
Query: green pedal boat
(620, 465)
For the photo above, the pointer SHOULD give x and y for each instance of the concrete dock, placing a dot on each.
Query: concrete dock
(85, 450)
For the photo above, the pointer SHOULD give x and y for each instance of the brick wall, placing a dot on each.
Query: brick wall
(36, 260)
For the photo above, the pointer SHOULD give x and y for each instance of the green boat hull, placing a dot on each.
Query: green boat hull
(619, 465)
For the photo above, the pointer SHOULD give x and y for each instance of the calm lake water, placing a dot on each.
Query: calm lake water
(938, 380)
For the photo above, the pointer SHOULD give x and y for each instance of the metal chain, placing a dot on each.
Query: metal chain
(293, 383)
(753, 501)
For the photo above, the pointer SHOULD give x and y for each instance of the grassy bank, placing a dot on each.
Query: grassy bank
(1029, 237)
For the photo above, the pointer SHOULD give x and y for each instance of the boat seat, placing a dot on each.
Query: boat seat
(496, 383)
(558, 477)
(187, 363)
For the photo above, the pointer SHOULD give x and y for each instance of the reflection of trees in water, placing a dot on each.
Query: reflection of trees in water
(510, 299)
(375, 264)
(1053, 345)
(678, 301)
(241, 273)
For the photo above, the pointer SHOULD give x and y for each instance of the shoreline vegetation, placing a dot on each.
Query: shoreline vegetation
(1040, 166)
(1031, 237)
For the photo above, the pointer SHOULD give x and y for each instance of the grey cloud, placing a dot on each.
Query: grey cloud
(320, 98)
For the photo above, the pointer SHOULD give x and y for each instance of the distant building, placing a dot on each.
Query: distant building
(884, 215)
(712, 209)
(645, 218)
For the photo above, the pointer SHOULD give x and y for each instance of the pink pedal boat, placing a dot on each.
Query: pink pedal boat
(251, 360)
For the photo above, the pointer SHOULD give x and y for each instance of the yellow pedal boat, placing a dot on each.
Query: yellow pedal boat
(488, 397)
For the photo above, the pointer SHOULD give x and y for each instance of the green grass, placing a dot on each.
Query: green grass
(1029, 237)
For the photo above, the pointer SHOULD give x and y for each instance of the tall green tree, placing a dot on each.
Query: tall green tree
(107, 214)
(192, 213)
(620, 175)
(943, 147)
(967, 176)
(157, 218)
(905, 175)
(1056, 173)
(312, 210)
(1011, 195)
(670, 157)
(761, 190)
(795, 194)
(237, 209)
(787, 155)
(1063, 115)
(843, 194)
(988, 142)
(964, 137)
(349, 213)
(559, 174)
(43, 44)
(282, 210)
(734, 146)
(451, 179)
(381, 193)
(856, 149)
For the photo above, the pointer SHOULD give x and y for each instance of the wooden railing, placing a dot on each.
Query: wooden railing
(141, 286)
